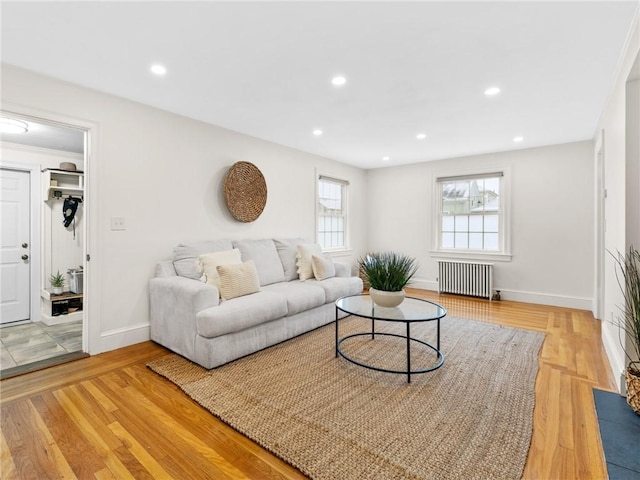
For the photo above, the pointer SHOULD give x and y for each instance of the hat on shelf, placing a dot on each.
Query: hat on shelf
(70, 166)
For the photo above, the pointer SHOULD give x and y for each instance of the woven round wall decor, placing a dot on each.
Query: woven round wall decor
(245, 191)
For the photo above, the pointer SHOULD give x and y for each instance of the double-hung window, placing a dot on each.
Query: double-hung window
(471, 213)
(332, 213)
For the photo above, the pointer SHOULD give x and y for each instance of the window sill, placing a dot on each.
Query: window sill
(481, 256)
(339, 252)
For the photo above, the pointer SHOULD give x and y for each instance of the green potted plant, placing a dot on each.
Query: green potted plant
(628, 276)
(387, 274)
(57, 282)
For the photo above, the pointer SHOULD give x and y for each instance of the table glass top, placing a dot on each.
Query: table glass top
(410, 310)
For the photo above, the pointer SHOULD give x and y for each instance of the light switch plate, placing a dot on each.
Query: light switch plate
(117, 223)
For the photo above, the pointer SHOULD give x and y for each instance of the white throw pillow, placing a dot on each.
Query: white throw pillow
(185, 256)
(322, 267)
(238, 280)
(210, 261)
(305, 251)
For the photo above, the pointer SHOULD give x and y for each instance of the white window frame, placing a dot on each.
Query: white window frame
(504, 220)
(345, 203)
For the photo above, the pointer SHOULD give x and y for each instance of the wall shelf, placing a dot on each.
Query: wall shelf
(68, 183)
(63, 308)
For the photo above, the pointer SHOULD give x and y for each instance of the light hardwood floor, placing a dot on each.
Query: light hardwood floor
(109, 417)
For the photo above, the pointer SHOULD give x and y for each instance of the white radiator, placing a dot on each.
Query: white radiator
(465, 278)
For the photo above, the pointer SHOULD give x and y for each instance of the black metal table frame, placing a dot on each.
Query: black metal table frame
(408, 337)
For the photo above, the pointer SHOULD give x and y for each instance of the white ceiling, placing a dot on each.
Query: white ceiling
(49, 136)
(264, 68)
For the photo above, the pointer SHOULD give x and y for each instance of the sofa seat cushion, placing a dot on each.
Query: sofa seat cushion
(337, 287)
(240, 313)
(299, 295)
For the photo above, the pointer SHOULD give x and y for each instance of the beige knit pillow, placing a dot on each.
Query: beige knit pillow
(322, 267)
(238, 279)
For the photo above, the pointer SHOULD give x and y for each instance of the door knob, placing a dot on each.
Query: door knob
(25, 245)
(25, 257)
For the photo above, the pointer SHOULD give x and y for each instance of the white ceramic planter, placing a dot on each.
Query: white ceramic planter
(386, 299)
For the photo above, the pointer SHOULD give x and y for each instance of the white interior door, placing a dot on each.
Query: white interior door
(14, 245)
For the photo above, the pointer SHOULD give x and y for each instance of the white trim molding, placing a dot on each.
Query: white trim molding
(504, 255)
(322, 175)
(92, 292)
(611, 348)
(123, 337)
(469, 255)
(566, 301)
(538, 298)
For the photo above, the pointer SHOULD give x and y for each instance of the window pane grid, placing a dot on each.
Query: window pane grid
(470, 214)
(331, 213)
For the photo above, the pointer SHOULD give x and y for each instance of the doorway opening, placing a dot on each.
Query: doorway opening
(44, 236)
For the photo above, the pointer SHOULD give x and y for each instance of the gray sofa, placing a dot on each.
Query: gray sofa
(188, 316)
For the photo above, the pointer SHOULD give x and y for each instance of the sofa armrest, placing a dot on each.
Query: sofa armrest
(173, 305)
(343, 269)
(165, 269)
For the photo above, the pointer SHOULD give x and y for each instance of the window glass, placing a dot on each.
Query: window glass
(470, 213)
(331, 208)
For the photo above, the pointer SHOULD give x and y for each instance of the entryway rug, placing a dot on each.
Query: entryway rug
(331, 419)
(620, 433)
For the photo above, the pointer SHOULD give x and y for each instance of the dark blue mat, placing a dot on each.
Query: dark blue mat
(620, 432)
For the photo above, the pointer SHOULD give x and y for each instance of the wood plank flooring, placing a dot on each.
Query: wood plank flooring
(109, 417)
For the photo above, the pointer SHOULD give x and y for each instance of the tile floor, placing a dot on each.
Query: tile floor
(32, 342)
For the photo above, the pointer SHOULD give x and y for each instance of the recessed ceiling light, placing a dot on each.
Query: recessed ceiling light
(421, 136)
(386, 158)
(158, 69)
(492, 91)
(317, 132)
(9, 125)
(518, 139)
(338, 80)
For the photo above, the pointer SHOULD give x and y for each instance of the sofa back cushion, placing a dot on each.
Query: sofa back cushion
(266, 259)
(185, 256)
(287, 251)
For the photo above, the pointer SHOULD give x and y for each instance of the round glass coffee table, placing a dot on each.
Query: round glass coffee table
(411, 310)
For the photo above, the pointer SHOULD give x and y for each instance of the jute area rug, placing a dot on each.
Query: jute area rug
(334, 420)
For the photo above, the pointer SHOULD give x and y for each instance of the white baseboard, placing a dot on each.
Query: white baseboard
(123, 337)
(612, 349)
(519, 296)
(424, 284)
(566, 301)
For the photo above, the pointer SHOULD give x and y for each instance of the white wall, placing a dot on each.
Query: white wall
(619, 149)
(163, 173)
(551, 210)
